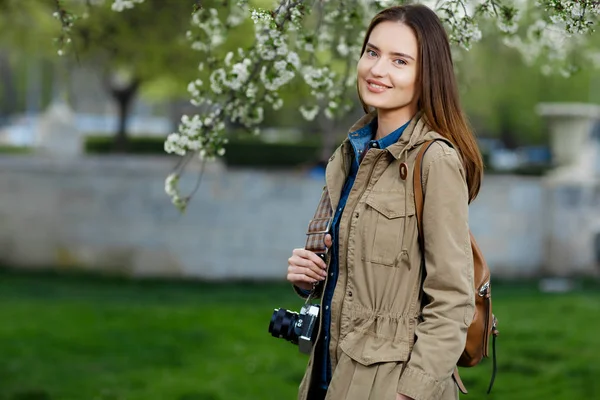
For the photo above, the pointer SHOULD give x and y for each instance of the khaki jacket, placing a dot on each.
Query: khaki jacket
(382, 342)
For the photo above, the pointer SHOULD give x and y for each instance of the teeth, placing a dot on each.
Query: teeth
(377, 86)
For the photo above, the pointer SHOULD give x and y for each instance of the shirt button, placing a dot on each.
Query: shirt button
(326, 337)
(340, 209)
(331, 274)
(327, 307)
(374, 144)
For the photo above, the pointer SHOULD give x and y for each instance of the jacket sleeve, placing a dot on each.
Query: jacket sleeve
(448, 285)
(303, 293)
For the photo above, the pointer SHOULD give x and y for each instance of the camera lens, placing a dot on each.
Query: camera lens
(282, 325)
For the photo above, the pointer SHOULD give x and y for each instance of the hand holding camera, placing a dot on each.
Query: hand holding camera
(306, 268)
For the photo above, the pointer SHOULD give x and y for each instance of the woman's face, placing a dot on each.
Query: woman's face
(387, 70)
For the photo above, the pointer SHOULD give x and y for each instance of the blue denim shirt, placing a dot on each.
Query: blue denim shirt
(360, 140)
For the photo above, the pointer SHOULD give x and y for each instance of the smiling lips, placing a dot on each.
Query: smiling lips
(376, 86)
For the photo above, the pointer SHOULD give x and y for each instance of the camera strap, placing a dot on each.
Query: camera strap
(318, 227)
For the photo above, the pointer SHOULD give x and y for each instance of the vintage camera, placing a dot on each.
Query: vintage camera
(297, 328)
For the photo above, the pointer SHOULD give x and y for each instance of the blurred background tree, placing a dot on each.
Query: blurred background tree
(500, 90)
(144, 51)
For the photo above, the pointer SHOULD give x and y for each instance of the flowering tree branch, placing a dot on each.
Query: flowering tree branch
(317, 43)
(66, 20)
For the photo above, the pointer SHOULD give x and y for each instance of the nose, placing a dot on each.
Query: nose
(379, 68)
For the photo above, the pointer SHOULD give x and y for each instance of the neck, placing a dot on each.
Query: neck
(390, 120)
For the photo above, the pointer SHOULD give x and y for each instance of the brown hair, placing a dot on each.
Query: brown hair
(438, 90)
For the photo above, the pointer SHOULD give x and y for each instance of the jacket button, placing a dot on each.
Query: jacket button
(349, 294)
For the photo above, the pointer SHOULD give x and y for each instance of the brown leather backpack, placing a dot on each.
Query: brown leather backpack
(484, 322)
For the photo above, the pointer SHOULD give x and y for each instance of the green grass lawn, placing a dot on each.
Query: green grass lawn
(79, 338)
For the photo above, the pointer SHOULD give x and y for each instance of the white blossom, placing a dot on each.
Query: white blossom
(228, 58)
(385, 3)
(120, 5)
(277, 104)
(260, 16)
(217, 78)
(240, 76)
(170, 184)
(318, 78)
(342, 47)
(237, 15)
(216, 39)
(280, 78)
(509, 27)
(251, 91)
(309, 113)
(292, 58)
(199, 46)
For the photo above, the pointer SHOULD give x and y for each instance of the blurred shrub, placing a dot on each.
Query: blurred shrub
(135, 145)
(251, 151)
(15, 149)
(246, 151)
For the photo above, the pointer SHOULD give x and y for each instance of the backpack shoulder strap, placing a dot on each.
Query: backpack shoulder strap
(418, 189)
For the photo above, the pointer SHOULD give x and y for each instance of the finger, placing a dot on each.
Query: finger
(299, 278)
(297, 252)
(307, 254)
(315, 274)
(315, 263)
(307, 264)
(328, 241)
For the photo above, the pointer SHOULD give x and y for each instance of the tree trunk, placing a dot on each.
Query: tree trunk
(8, 104)
(124, 96)
(507, 135)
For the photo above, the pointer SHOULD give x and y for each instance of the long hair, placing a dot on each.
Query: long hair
(436, 83)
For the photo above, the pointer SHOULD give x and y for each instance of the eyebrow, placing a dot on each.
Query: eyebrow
(393, 53)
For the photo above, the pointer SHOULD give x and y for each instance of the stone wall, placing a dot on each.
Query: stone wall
(110, 213)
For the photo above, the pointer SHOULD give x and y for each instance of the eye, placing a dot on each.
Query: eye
(400, 61)
(371, 53)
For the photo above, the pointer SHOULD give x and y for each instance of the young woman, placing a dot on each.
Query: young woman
(392, 329)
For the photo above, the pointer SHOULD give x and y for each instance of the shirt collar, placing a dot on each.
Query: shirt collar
(363, 137)
(392, 138)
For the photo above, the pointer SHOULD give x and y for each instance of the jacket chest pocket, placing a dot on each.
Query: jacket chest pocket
(389, 217)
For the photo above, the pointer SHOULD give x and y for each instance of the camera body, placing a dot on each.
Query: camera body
(297, 328)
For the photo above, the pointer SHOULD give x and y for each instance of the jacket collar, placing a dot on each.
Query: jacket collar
(417, 132)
